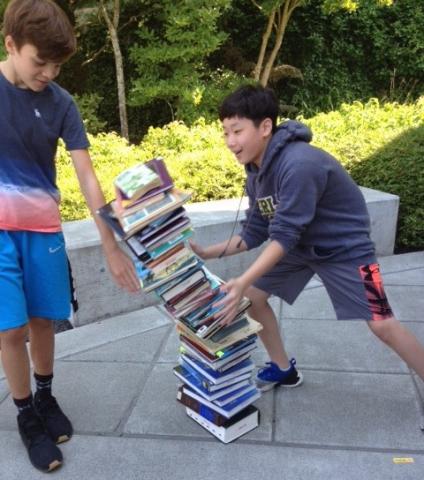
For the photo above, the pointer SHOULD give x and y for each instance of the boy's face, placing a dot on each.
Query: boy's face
(245, 140)
(28, 70)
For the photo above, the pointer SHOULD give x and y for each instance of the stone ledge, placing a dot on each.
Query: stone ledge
(99, 298)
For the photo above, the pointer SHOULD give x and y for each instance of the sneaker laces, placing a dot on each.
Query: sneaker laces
(267, 373)
(33, 429)
(48, 406)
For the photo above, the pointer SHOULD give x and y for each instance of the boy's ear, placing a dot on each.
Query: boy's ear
(10, 45)
(266, 127)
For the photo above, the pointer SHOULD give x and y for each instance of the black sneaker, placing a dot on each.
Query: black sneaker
(56, 423)
(42, 451)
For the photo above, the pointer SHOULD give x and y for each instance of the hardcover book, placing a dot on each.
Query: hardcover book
(137, 180)
(195, 381)
(213, 347)
(213, 377)
(159, 167)
(223, 356)
(230, 409)
(233, 429)
(198, 407)
(173, 199)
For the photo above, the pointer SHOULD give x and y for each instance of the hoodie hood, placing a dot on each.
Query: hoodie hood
(286, 132)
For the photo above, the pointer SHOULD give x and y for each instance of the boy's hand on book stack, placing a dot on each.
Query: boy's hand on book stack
(122, 269)
(234, 290)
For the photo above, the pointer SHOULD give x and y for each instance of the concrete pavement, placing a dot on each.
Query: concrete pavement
(358, 412)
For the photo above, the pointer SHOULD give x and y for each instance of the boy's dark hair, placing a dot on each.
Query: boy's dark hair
(253, 102)
(43, 24)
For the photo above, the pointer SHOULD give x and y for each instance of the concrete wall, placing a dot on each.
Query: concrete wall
(100, 298)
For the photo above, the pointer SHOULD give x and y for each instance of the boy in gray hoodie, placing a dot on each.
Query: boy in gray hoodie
(313, 213)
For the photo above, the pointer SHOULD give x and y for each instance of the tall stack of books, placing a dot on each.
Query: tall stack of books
(214, 363)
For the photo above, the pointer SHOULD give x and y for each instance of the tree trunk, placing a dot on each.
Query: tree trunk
(120, 78)
(264, 45)
(283, 14)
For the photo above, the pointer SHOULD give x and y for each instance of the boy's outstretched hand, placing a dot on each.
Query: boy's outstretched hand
(234, 289)
(122, 269)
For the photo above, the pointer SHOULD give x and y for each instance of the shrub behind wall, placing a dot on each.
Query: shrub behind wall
(381, 145)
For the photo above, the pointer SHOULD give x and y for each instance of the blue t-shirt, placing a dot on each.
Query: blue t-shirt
(31, 123)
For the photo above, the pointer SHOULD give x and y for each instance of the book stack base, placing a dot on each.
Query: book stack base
(237, 426)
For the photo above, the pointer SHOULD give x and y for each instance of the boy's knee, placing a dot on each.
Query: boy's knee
(384, 329)
(14, 336)
(36, 323)
(256, 296)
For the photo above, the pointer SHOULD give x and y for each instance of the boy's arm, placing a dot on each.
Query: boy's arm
(236, 287)
(224, 249)
(120, 265)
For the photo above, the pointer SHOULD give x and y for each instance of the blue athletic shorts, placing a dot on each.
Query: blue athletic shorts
(355, 287)
(34, 278)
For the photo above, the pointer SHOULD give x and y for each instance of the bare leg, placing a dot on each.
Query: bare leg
(41, 335)
(270, 335)
(15, 360)
(402, 341)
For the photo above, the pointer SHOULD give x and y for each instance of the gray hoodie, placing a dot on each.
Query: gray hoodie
(303, 198)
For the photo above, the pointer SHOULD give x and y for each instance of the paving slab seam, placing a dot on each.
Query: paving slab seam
(245, 441)
(327, 319)
(65, 356)
(273, 414)
(419, 401)
(130, 362)
(355, 371)
(402, 270)
(242, 441)
(126, 415)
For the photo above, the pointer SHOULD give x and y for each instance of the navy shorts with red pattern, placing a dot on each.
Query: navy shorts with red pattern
(355, 287)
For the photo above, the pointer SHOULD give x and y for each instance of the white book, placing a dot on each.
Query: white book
(234, 429)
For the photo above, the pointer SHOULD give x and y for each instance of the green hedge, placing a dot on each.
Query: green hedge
(381, 145)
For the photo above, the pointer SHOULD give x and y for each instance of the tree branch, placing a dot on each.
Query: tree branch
(265, 39)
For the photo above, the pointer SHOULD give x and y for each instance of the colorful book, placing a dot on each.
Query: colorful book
(212, 346)
(224, 355)
(151, 284)
(193, 278)
(159, 167)
(137, 180)
(173, 199)
(221, 365)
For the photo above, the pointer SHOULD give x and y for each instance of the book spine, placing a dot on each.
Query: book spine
(201, 409)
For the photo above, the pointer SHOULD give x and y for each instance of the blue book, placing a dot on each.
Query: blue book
(195, 381)
(229, 397)
(230, 409)
(215, 377)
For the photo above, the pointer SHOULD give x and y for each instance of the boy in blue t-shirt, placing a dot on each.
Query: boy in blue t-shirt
(313, 214)
(34, 282)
